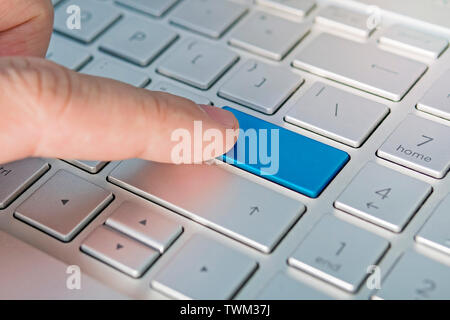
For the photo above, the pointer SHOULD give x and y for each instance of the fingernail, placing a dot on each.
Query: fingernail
(224, 117)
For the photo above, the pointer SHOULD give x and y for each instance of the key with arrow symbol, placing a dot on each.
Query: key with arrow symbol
(253, 210)
(371, 205)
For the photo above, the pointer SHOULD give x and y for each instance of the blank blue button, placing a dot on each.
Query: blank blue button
(284, 157)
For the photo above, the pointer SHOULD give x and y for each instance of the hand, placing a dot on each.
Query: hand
(49, 111)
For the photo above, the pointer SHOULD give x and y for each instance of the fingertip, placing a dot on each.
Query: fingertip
(224, 117)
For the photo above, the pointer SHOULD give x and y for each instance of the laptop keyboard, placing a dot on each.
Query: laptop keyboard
(363, 114)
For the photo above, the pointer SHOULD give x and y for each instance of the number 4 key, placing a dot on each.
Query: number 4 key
(383, 196)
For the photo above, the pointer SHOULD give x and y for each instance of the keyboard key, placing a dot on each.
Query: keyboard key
(203, 264)
(119, 251)
(154, 7)
(268, 35)
(197, 63)
(416, 277)
(146, 225)
(169, 88)
(63, 205)
(89, 166)
(16, 177)
(137, 40)
(67, 54)
(419, 144)
(296, 7)
(215, 197)
(437, 99)
(404, 38)
(436, 231)
(339, 253)
(296, 162)
(337, 114)
(95, 19)
(338, 18)
(383, 196)
(260, 86)
(208, 17)
(115, 70)
(360, 65)
(282, 287)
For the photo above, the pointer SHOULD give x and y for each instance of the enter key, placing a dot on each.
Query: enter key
(283, 156)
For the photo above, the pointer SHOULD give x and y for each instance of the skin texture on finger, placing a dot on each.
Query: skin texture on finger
(49, 111)
(25, 27)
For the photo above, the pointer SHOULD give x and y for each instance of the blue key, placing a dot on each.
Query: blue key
(284, 157)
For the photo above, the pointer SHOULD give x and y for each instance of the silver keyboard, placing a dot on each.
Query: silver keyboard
(153, 231)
